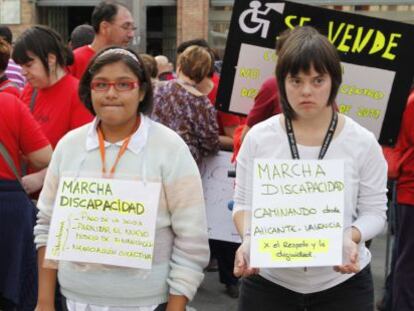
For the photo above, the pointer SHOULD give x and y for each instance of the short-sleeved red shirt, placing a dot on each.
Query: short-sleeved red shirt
(58, 108)
(7, 86)
(19, 133)
(266, 103)
(405, 185)
(82, 57)
(224, 119)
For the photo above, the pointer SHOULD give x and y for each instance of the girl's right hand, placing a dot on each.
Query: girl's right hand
(241, 261)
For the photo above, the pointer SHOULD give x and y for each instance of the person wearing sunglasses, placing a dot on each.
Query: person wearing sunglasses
(124, 143)
(113, 25)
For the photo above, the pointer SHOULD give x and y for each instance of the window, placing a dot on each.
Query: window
(9, 11)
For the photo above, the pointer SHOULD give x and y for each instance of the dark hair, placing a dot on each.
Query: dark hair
(198, 42)
(81, 35)
(212, 67)
(303, 48)
(42, 41)
(196, 63)
(4, 54)
(6, 33)
(281, 38)
(96, 64)
(104, 12)
(150, 64)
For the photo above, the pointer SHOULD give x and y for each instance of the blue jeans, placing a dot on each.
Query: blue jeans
(355, 294)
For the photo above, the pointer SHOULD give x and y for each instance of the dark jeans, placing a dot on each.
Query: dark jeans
(6, 305)
(394, 224)
(224, 253)
(403, 285)
(355, 294)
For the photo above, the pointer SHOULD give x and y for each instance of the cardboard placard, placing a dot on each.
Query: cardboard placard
(104, 221)
(297, 213)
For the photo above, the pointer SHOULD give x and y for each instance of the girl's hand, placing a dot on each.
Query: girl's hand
(241, 260)
(351, 253)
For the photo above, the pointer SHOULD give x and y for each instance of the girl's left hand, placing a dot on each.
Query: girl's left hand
(351, 251)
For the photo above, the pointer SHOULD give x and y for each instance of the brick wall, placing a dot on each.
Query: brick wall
(192, 19)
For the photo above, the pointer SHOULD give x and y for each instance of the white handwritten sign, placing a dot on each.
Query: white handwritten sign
(218, 192)
(104, 221)
(298, 210)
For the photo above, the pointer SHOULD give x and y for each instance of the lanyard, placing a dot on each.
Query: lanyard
(325, 145)
(326, 142)
(121, 152)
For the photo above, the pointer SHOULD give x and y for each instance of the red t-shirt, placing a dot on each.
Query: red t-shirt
(11, 89)
(58, 108)
(405, 184)
(266, 103)
(82, 57)
(224, 119)
(19, 133)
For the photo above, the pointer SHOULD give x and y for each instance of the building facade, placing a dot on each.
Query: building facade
(162, 24)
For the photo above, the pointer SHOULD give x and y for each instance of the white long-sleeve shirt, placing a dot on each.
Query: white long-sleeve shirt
(365, 175)
(157, 154)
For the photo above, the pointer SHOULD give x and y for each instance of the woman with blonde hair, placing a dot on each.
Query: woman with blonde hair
(180, 106)
(123, 145)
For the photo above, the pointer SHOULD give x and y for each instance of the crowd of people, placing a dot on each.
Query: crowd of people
(96, 108)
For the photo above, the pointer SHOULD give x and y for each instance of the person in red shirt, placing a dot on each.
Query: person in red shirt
(266, 103)
(227, 122)
(80, 36)
(113, 25)
(19, 134)
(51, 93)
(403, 281)
(6, 85)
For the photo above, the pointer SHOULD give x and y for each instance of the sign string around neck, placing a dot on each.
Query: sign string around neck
(325, 144)
(121, 152)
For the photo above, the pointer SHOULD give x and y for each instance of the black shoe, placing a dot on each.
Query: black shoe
(232, 291)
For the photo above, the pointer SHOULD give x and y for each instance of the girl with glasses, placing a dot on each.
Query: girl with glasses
(123, 143)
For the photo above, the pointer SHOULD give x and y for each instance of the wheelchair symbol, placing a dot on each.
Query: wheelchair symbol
(255, 17)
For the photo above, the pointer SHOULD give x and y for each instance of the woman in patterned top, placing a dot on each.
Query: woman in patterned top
(181, 107)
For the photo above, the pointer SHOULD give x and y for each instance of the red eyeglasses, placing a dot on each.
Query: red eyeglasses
(120, 86)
